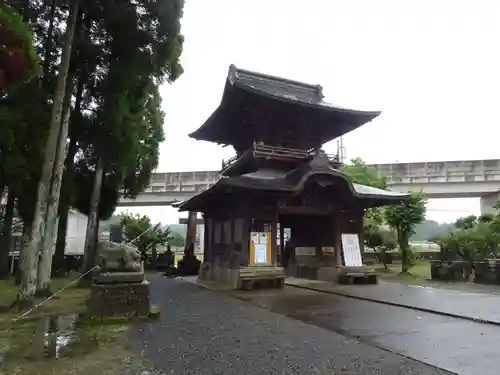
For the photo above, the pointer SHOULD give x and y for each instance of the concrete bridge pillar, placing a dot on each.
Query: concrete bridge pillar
(488, 203)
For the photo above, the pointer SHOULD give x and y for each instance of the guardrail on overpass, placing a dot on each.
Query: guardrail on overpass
(449, 179)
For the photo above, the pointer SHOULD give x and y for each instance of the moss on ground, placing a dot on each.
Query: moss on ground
(58, 337)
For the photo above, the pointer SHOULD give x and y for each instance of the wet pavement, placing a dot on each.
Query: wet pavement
(460, 346)
(478, 306)
(206, 332)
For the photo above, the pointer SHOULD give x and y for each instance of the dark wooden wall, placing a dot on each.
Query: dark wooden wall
(226, 241)
(317, 218)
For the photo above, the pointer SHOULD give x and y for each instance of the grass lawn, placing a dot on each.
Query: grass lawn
(70, 301)
(419, 274)
(59, 338)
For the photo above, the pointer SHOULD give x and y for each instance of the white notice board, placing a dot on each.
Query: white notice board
(259, 241)
(351, 250)
(330, 250)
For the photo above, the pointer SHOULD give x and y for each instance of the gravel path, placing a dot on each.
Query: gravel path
(203, 332)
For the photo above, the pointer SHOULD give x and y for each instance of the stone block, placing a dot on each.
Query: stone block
(119, 299)
(487, 272)
(307, 272)
(119, 278)
(205, 271)
(329, 273)
(435, 269)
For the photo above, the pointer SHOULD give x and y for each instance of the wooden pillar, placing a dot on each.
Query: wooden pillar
(207, 235)
(338, 239)
(282, 244)
(361, 232)
(245, 241)
(274, 240)
(191, 228)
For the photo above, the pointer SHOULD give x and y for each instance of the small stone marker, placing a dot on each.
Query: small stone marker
(154, 312)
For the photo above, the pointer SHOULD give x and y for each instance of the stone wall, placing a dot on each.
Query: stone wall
(119, 299)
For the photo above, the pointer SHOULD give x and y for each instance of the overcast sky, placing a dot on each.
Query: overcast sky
(431, 66)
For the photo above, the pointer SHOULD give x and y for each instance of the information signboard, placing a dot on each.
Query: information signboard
(305, 251)
(351, 250)
(259, 244)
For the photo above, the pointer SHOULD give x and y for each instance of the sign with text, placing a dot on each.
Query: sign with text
(351, 250)
(259, 244)
(328, 250)
(305, 251)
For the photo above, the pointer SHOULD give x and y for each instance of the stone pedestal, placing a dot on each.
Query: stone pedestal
(188, 266)
(487, 272)
(119, 278)
(322, 273)
(119, 295)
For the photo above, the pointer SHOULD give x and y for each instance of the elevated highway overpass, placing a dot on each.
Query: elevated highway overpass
(447, 179)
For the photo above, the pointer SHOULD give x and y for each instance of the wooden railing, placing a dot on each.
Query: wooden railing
(282, 154)
(227, 163)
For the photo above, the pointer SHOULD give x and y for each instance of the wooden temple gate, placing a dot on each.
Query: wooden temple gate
(279, 178)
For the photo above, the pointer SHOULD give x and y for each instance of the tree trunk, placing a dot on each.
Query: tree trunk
(403, 246)
(382, 257)
(29, 261)
(51, 226)
(64, 210)
(24, 246)
(61, 239)
(67, 176)
(6, 235)
(154, 256)
(92, 223)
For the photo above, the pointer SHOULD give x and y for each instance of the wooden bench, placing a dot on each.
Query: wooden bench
(357, 275)
(254, 277)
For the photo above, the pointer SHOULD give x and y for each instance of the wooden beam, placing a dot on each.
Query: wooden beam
(183, 220)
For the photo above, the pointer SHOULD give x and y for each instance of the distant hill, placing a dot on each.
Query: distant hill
(430, 228)
(177, 228)
(423, 231)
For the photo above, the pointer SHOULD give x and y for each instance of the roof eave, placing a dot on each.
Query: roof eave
(322, 105)
(233, 82)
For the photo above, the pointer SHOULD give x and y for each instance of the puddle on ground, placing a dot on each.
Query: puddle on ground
(51, 337)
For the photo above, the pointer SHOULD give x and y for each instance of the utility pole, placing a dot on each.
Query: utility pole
(341, 150)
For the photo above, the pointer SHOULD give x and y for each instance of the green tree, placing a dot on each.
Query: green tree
(177, 240)
(18, 59)
(380, 240)
(46, 203)
(140, 57)
(485, 218)
(359, 172)
(139, 231)
(115, 106)
(467, 222)
(21, 105)
(403, 218)
(477, 239)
